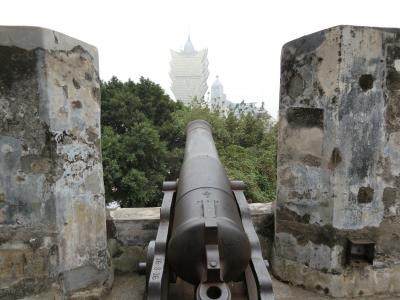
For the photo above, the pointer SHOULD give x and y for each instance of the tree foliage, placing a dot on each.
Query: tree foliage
(144, 138)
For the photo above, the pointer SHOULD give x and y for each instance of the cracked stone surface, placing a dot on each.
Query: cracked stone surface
(52, 214)
(339, 161)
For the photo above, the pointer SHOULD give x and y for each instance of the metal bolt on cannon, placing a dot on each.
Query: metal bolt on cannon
(206, 245)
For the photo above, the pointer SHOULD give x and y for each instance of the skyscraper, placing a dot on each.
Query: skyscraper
(189, 73)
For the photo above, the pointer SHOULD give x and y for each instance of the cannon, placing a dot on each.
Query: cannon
(206, 245)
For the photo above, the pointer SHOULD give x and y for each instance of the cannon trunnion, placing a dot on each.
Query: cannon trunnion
(206, 245)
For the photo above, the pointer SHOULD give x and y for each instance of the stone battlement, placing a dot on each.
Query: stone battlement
(129, 231)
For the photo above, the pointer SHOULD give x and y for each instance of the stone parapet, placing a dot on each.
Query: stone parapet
(131, 229)
(52, 212)
(338, 199)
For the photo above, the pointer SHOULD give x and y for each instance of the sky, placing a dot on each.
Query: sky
(244, 38)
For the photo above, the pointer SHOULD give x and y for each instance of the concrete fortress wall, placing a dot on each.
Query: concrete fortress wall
(339, 162)
(52, 214)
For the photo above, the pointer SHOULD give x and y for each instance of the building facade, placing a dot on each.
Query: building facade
(189, 73)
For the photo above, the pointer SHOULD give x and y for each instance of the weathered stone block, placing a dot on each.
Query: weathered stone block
(339, 160)
(52, 214)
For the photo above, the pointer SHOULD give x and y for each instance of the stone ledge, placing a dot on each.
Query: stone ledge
(134, 214)
(153, 213)
(138, 226)
(32, 37)
(129, 231)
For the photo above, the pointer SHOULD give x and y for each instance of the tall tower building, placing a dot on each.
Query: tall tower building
(189, 73)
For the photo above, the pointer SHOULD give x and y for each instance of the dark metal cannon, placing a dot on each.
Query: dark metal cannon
(206, 246)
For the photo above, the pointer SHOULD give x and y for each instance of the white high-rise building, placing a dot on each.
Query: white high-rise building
(189, 73)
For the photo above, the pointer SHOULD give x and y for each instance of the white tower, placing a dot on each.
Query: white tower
(218, 99)
(189, 73)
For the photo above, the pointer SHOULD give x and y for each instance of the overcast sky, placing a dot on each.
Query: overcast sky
(244, 38)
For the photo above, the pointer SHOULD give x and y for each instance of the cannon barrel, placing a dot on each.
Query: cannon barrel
(206, 216)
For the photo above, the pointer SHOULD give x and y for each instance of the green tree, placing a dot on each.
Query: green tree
(246, 145)
(134, 157)
(144, 138)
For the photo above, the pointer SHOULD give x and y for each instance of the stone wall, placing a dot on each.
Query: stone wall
(52, 214)
(130, 230)
(339, 162)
